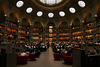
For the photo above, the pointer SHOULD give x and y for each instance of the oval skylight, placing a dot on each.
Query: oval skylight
(50, 15)
(81, 3)
(19, 3)
(39, 13)
(29, 10)
(72, 10)
(61, 13)
(50, 2)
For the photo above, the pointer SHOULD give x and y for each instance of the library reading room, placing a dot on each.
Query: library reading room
(49, 33)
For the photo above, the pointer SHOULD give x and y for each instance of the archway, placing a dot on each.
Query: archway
(13, 17)
(64, 32)
(76, 31)
(88, 26)
(26, 22)
(50, 33)
(97, 18)
(38, 32)
(38, 25)
(24, 30)
(2, 13)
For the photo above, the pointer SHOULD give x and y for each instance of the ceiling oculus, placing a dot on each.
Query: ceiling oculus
(19, 3)
(39, 13)
(50, 15)
(72, 10)
(29, 10)
(81, 3)
(62, 14)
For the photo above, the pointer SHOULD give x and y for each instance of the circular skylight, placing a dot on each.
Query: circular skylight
(39, 13)
(72, 10)
(81, 3)
(50, 2)
(50, 15)
(29, 10)
(61, 13)
(19, 3)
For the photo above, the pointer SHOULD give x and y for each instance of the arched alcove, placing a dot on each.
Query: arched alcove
(64, 32)
(75, 22)
(38, 25)
(88, 18)
(13, 17)
(2, 10)
(88, 27)
(76, 30)
(63, 25)
(2, 13)
(97, 11)
(50, 24)
(26, 22)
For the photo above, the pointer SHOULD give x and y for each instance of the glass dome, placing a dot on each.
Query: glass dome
(50, 2)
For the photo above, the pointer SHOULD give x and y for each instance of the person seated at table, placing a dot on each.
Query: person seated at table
(59, 47)
(63, 46)
(23, 54)
(58, 50)
(97, 50)
(92, 52)
(54, 48)
(68, 53)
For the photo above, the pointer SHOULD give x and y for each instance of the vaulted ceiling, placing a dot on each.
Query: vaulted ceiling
(38, 6)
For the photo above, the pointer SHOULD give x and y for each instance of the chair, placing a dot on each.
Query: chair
(57, 56)
(22, 59)
(32, 56)
(67, 59)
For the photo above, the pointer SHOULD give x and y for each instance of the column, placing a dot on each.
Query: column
(19, 34)
(70, 31)
(57, 34)
(86, 41)
(95, 30)
(83, 26)
(44, 31)
(81, 29)
(5, 30)
(31, 34)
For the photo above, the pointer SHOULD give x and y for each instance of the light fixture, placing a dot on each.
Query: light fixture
(96, 15)
(19, 3)
(83, 21)
(50, 15)
(72, 10)
(39, 13)
(81, 3)
(61, 13)
(29, 10)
